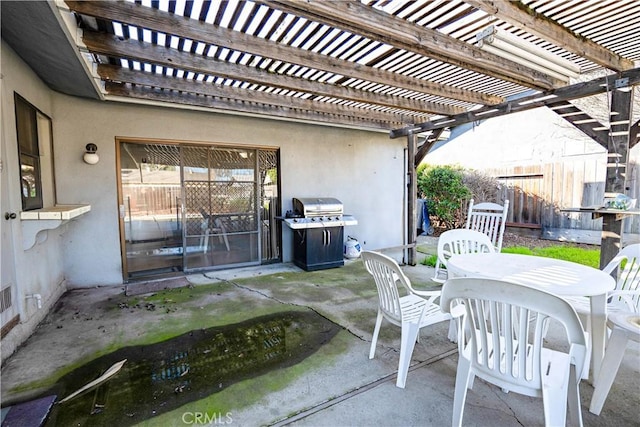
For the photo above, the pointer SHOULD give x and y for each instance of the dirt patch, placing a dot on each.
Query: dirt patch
(512, 239)
(155, 286)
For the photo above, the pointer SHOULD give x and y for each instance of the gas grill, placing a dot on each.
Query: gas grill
(317, 213)
(318, 232)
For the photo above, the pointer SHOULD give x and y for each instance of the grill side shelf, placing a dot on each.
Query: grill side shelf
(302, 223)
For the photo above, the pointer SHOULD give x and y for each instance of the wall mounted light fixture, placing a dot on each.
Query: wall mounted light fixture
(91, 156)
(524, 53)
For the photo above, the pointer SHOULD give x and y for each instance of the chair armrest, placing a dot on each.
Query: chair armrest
(431, 296)
(426, 293)
(613, 264)
(624, 292)
(630, 298)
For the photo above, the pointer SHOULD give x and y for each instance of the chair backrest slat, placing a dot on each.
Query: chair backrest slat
(462, 241)
(387, 275)
(503, 328)
(490, 219)
(627, 263)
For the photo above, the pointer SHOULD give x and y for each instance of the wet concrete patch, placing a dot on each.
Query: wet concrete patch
(161, 377)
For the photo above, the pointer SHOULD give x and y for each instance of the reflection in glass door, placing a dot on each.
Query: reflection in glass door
(220, 206)
(188, 208)
(151, 208)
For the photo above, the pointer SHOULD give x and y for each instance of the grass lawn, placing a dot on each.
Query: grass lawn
(590, 257)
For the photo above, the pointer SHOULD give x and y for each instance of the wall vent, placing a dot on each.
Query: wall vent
(5, 299)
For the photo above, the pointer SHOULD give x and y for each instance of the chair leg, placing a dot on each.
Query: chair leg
(453, 331)
(608, 369)
(463, 375)
(223, 233)
(374, 340)
(554, 401)
(439, 271)
(575, 409)
(587, 359)
(204, 240)
(408, 342)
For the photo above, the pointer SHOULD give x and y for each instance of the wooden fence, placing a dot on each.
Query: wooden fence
(539, 194)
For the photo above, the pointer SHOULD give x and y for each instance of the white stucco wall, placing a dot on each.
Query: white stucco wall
(365, 170)
(39, 269)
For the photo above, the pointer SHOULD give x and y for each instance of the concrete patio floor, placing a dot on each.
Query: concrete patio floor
(336, 386)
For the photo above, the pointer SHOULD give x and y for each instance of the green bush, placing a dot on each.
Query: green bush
(445, 193)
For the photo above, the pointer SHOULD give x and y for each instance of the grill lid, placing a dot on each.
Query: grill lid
(317, 206)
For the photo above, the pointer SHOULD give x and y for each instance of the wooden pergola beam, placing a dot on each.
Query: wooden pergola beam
(576, 91)
(616, 178)
(169, 23)
(582, 121)
(412, 194)
(634, 134)
(361, 19)
(123, 75)
(109, 45)
(224, 104)
(522, 16)
(424, 149)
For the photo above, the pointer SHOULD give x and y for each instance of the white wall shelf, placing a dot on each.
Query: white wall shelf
(36, 221)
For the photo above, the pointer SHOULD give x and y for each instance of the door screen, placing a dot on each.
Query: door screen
(220, 206)
(187, 207)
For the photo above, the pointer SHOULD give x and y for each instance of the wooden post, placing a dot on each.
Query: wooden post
(617, 158)
(412, 195)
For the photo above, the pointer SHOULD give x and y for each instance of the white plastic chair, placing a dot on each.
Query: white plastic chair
(500, 340)
(456, 242)
(490, 219)
(411, 311)
(626, 296)
(208, 229)
(624, 327)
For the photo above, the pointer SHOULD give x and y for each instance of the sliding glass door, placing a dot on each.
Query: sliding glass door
(220, 206)
(150, 209)
(193, 207)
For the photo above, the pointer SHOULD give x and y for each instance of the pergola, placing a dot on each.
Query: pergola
(405, 67)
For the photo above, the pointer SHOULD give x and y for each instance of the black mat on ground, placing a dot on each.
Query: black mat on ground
(32, 413)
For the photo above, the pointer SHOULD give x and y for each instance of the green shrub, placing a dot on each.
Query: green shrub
(445, 193)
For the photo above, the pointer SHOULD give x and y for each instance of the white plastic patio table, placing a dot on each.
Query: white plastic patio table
(562, 278)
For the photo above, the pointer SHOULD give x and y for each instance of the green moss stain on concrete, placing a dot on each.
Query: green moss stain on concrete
(348, 282)
(161, 377)
(232, 400)
(152, 318)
